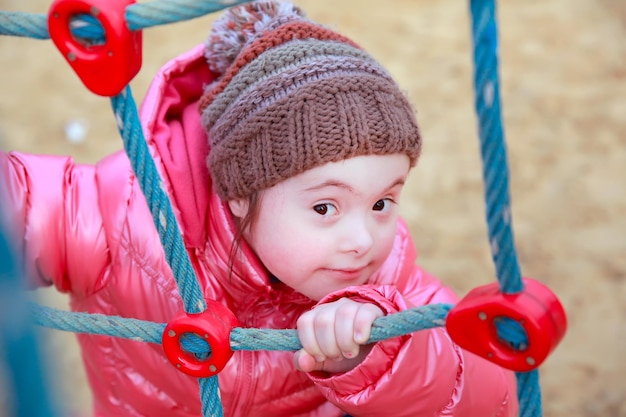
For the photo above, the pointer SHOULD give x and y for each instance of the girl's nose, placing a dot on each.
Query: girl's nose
(357, 236)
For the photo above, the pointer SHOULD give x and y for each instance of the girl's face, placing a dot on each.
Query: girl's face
(330, 227)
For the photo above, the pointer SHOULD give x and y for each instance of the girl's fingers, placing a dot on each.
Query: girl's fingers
(363, 320)
(344, 329)
(308, 338)
(324, 324)
(336, 330)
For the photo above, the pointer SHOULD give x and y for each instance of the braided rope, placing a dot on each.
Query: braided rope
(153, 189)
(496, 178)
(20, 358)
(493, 148)
(402, 323)
(150, 182)
(138, 16)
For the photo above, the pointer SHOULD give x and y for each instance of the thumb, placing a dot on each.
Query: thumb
(305, 362)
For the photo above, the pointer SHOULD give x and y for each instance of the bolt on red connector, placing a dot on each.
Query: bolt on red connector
(472, 324)
(105, 69)
(213, 325)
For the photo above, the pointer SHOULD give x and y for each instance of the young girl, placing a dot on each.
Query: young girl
(284, 158)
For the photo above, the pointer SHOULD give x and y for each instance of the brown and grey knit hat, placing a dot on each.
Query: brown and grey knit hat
(292, 95)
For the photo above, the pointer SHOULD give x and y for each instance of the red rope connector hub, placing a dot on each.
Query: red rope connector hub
(471, 324)
(214, 326)
(107, 68)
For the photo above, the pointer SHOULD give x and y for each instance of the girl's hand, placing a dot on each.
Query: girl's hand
(333, 336)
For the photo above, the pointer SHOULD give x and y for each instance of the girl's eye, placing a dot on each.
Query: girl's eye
(381, 205)
(324, 209)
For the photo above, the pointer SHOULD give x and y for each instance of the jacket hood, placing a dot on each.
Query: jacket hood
(179, 145)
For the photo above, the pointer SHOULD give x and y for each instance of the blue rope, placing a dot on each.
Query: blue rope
(496, 178)
(493, 149)
(138, 16)
(24, 24)
(153, 189)
(405, 322)
(161, 12)
(402, 323)
(25, 377)
(210, 397)
(529, 394)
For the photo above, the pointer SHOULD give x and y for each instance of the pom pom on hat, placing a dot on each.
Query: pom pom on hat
(239, 25)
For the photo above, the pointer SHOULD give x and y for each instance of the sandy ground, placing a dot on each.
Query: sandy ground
(563, 72)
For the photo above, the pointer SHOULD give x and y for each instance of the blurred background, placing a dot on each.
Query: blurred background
(563, 82)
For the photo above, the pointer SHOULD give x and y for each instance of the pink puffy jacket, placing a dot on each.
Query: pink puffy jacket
(88, 231)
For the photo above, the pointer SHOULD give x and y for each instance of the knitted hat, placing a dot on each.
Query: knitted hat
(291, 95)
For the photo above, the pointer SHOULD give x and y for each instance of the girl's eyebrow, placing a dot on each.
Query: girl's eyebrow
(330, 183)
(348, 187)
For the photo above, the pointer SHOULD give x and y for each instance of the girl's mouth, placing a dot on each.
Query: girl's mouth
(346, 274)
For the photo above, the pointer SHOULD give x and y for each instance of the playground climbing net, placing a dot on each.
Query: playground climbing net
(515, 322)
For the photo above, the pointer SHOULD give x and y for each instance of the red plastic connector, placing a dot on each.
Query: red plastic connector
(107, 68)
(214, 326)
(471, 324)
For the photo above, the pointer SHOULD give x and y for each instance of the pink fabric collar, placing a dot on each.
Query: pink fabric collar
(172, 127)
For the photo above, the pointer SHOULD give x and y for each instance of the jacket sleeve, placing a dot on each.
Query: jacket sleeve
(421, 374)
(51, 206)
